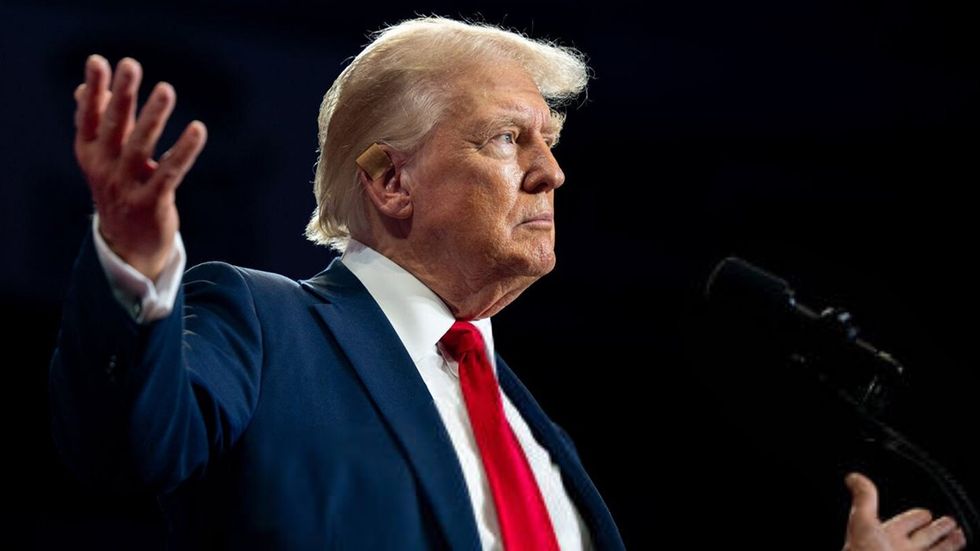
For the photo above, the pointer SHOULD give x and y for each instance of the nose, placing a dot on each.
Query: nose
(543, 173)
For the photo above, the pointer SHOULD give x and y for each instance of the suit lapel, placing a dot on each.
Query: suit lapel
(390, 376)
(601, 525)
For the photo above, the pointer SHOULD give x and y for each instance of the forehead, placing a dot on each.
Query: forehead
(489, 93)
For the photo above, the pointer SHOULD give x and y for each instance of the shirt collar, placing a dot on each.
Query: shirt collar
(420, 318)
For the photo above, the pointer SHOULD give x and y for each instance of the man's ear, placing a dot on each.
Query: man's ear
(379, 171)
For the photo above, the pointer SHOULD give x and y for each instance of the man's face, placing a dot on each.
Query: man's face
(484, 183)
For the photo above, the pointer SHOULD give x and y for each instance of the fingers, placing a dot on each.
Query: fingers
(955, 541)
(930, 534)
(91, 96)
(153, 117)
(917, 526)
(175, 163)
(119, 115)
(909, 521)
(864, 497)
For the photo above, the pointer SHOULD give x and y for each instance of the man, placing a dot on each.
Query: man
(359, 408)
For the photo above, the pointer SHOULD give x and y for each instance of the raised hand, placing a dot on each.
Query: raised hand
(133, 193)
(913, 530)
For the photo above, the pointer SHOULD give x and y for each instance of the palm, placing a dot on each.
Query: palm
(133, 194)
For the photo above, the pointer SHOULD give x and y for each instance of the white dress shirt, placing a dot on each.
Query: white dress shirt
(420, 319)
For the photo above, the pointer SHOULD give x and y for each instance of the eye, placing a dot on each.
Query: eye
(506, 138)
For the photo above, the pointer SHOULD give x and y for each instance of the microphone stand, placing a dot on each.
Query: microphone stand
(826, 342)
(869, 400)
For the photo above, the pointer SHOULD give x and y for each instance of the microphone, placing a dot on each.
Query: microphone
(752, 298)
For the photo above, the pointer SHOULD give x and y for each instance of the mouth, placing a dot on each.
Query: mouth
(542, 220)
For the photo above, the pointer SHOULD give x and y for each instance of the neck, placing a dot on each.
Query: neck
(470, 294)
(478, 301)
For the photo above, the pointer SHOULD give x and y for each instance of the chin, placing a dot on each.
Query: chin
(549, 263)
(530, 259)
(539, 262)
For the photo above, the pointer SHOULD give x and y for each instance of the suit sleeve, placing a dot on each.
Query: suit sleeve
(150, 406)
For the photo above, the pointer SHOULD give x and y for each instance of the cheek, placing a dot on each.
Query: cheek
(506, 194)
(479, 201)
(493, 197)
(513, 175)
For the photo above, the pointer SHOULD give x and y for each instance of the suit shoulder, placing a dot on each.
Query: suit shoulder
(223, 273)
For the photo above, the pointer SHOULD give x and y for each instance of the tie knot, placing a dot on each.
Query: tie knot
(461, 338)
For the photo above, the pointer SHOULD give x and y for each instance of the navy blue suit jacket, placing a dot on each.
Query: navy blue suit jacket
(273, 413)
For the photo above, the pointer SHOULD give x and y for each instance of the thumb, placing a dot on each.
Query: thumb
(864, 497)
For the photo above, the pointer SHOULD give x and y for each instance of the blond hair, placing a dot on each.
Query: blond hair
(397, 89)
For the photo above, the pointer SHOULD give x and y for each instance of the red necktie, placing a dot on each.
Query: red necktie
(523, 518)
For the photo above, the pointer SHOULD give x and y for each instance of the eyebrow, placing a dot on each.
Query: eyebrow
(520, 119)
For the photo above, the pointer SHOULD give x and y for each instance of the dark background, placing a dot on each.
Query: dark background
(833, 143)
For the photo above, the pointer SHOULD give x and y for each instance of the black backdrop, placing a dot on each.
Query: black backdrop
(831, 142)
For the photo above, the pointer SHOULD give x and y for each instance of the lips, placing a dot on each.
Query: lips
(544, 217)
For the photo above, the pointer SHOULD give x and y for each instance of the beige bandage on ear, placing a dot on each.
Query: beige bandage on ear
(374, 161)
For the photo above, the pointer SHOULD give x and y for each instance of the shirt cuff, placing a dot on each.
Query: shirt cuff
(145, 300)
